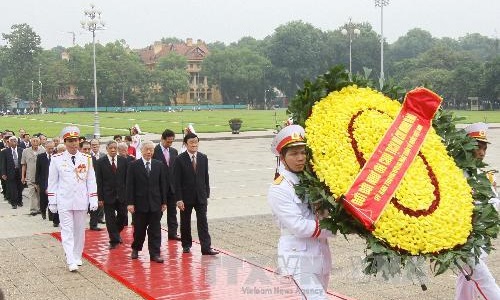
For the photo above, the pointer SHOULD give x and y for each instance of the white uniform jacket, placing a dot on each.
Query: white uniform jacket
(303, 247)
(72, 186)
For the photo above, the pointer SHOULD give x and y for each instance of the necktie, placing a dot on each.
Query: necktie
(113, 165)
(166, 154)
(14, 155)
(193, 162)
(73, 159)
(148, 168)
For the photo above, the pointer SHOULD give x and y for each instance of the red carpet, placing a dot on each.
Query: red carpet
(185, 276)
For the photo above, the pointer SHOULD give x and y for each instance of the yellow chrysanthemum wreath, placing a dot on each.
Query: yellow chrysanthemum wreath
(432, 208)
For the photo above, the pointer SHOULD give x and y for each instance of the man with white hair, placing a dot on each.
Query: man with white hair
(28, 162)
(11, 172)
(72, 190)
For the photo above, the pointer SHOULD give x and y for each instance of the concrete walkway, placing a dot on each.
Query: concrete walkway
(241, 169)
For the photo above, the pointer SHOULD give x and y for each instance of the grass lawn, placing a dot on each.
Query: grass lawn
(156, 122)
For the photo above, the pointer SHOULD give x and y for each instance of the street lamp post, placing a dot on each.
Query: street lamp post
(381, 4)
(351, 31)
(40, 91)
(93, 23)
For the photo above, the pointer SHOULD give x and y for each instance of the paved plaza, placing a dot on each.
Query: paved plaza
(32, 264)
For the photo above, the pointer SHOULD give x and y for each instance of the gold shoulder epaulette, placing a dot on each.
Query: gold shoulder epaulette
(86, 154)
(278, 180)
(57, 154)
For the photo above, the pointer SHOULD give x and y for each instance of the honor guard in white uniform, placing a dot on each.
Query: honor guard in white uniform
(71, 190)
(481, 281)
(303, 251)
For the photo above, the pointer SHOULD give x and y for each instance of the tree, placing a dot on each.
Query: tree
(240, 73)
(5, 96)
(172, 75)
(171, 61)
(491, 79)
(23, 46)
(415, 42)
(295, 53)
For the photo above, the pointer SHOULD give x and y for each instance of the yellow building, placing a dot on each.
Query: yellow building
(199, 90)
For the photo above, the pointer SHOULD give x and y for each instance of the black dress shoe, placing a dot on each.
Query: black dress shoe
(95, 228)
(20, 204)
(14, 206)
(210, 252)
(157, 259)
(174, 238)
(44, 215)
(186, 250)
(113, 246)
(55, 224)
(135, 254)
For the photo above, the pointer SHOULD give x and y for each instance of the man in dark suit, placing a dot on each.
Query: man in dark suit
(24, 141)
(11, 172)
(88, 148)
(165, 153)
(192, 189)
(111, 173)
(147, 192)
(41, 179)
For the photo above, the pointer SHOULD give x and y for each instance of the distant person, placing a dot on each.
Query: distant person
(123, 152)
(167, 154)
(11, 172)
(96, 216)
(72, 190)
(188, 129)
(131, 149)
(192, 189)
(24, 141)
(147, 192)
(28, 172)
(111, 172)
(135, 134)
(117, 138)
(42, 178)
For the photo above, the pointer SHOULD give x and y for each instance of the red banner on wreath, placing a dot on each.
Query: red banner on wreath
(379, 178)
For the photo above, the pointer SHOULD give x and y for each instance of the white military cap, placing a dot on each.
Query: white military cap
(289, 136)
(477, 131)
(70, 132)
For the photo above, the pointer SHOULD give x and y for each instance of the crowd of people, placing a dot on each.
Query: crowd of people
(68, 177)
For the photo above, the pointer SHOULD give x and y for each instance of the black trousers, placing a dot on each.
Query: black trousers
(172, 218)
(201, 224)
(4, 190)
(44, 203)
(150, 222)
(15, 188)
(95, 216)
(115, 214)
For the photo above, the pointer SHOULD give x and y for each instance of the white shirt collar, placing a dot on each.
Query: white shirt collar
(145, 161)
(111, 159)
(290, 176)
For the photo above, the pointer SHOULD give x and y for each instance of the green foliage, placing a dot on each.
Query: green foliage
(380, 258)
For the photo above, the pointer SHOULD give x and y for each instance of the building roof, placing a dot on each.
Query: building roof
(192, 51)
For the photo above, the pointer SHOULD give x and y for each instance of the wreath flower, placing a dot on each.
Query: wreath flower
(432, 208)
(435, 213)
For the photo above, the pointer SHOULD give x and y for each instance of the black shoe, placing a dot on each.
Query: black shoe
(113, 246)
(157, 259)
(186, 250)
(20, 204)
(210, 252)
(95, 228)
(174, 238)
(14, 206)
(101, 222)
(55, 224)
(135, 254)
(34, 213)
(44, 215)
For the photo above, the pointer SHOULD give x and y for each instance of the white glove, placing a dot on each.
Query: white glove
(495, 202)
(53, 208)
(93, 205)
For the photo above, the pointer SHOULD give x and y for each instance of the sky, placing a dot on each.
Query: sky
(140, 23)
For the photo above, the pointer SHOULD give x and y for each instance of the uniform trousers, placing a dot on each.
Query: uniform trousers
(115, 214)
(73, 233)
(201, 224)
(32, 197)
(150, 222)
(486, 285)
